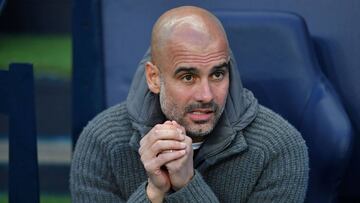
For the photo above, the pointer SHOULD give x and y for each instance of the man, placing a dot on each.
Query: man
(189, 131)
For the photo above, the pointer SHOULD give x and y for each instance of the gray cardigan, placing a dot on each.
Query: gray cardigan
(252, 155)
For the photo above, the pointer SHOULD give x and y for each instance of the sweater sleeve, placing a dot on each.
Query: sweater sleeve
(195, 191)
(285, 176)
(91, 179)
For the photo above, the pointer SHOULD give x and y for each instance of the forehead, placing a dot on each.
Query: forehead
(189, 54)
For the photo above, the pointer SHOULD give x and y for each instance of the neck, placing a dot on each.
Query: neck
(197, 139)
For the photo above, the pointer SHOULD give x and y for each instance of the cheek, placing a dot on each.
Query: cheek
(178, 94)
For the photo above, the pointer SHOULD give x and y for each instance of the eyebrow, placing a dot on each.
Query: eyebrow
(193, 70)
(186, 69)
(225, 65)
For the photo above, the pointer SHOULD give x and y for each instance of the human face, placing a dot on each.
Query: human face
(194, 87)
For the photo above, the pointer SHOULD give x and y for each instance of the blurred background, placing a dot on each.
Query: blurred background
(39, 32)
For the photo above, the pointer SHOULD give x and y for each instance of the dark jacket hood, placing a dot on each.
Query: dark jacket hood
(241, 107)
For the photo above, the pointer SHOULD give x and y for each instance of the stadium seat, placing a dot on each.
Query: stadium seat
(277, 62)
(17, 103)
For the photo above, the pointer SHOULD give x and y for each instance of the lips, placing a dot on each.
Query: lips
(201, 114)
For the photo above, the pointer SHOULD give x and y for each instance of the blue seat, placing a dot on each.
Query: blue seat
(349, 90)
(17, 102)
(277, 62)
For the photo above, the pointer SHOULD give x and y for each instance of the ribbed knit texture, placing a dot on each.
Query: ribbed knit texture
(273, 167)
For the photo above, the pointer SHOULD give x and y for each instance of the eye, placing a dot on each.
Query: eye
(218, 75)
(187, 78)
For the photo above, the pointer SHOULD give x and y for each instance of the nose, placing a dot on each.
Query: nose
(204, 92)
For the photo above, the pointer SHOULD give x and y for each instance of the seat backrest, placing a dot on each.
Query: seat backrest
(17, 102)
(277, 62)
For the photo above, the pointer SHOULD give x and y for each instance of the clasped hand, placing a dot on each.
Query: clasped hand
(167, 155)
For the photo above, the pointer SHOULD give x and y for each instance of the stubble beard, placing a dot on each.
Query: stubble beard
(172, 112)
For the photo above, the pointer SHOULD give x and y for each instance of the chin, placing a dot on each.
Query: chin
(199, 132)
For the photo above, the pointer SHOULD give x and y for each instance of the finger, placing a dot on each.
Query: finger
(177, 165)
(168, 123)
(165, 158)
(159, 132)
(180, 127)
(188, 141)
(155, 164)
(166, 145)
(160, 146)
(167, 151)
(169, 134)
(150, 133)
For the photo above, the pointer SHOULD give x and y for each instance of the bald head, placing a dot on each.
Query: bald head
(184, 26)
(189, 68)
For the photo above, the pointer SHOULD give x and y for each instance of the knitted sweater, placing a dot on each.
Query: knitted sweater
(252, 155)
(273, 167)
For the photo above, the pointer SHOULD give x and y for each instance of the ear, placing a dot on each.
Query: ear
(152, 74)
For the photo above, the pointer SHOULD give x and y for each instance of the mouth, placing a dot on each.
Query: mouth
(201, 115)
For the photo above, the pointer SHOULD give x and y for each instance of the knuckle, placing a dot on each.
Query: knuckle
(157, 126)
(143, 160)
(151, 138)
(147, 166)
(156, 146)
(150, 166)
(141, 142)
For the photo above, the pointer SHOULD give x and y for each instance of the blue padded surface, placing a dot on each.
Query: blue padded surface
(17, 101)
(271, 51)
(277, 62)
